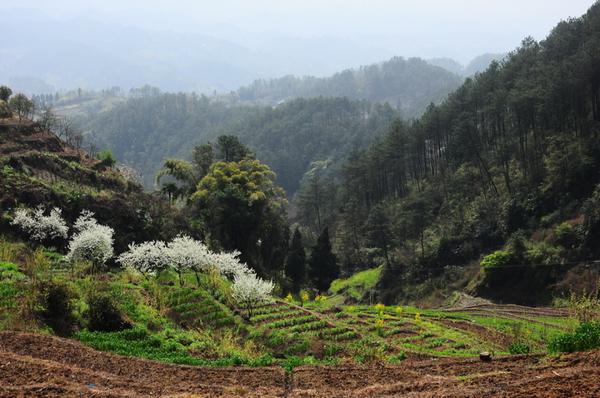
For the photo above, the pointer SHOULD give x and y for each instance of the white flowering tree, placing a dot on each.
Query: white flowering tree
(186, 254)
(147, 258)
(92, 242)
(229, 265)
(250, 291)
(86, 220)
(41, 227)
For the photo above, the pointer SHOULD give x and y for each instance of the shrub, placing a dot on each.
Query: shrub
(566, 235)
(304, 297)
(21, 105)
(57, 303)
(4, 109)
(397, 358)
(103, 315)
(519, 348)
(585, 307)
(498, 258)
(585, 337)
(544, 253)
(106, 158)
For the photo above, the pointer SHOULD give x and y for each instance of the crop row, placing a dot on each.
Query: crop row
(307, 327)
(270, 309)
(275, 315)
(287, 322)
(186, 295)
(348, 335)
(203, 306)
(216, 322)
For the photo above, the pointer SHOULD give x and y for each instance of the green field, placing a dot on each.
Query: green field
(199, 324)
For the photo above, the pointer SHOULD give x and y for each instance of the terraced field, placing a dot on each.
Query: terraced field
(294, 330)
(195, 308)
(424, 333)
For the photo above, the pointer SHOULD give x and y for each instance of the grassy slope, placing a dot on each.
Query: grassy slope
(198, 326)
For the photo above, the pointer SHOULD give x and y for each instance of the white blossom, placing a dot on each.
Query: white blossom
(250, 291)
(130, 174)
(187, 254)
(229, 264)
(146, 258)
(85, 221)
(93, 242)
(39, 226)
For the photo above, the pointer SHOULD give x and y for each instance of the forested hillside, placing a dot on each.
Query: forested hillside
(145, 131)
(506, 168)
(409, 84)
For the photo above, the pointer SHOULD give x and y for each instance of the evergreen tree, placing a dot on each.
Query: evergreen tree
(295, 264)
(322, 266)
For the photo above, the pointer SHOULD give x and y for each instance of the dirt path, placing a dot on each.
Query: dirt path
(43, 366)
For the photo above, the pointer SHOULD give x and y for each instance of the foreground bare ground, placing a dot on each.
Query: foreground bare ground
(34, 365)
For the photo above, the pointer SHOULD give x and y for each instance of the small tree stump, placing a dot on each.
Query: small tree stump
(485, 356)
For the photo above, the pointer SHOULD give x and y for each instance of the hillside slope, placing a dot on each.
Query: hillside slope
(37, 168)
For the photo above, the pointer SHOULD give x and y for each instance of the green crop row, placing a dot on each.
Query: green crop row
(275, 315)
(307, 327)
(283, 323)
(270, 309)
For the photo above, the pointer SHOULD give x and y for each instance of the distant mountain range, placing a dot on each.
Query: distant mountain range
(55, 55)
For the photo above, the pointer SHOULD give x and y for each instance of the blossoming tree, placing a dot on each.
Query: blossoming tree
(41, 227)
(147, 258)
(251, 291)
(92, 242)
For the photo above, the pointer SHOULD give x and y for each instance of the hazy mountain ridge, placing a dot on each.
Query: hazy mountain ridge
(96, 55)
(476, 65)
(409, 84)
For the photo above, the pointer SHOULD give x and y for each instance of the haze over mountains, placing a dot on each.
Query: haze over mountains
(63, 54)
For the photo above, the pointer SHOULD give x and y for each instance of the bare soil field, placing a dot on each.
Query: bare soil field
(33, 365)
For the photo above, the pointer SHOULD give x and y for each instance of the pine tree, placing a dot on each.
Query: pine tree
(322, 267)
(295, 265)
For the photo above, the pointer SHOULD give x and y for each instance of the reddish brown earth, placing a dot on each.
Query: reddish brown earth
(34, 365)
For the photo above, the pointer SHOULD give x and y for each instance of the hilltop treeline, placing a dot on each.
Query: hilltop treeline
(409, 84)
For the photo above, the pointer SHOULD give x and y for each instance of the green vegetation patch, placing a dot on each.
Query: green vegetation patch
(358, 284)
(585, 337)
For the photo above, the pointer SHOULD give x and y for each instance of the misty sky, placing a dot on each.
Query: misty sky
(203, 46)
(460, 29)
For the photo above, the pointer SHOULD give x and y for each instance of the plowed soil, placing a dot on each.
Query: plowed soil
(33, 365)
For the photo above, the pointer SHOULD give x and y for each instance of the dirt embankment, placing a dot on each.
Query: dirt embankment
(42, 366)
